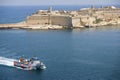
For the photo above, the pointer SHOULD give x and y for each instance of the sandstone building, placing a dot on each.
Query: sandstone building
(46, 17)
(83, 17)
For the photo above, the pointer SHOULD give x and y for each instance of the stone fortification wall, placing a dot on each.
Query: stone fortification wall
(87, 20)
(61, 20)
(107, 15)
(111, 15)
(34, 20)
(46, 19)
(76, 22)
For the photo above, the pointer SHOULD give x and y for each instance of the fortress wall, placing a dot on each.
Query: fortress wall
(108, 15)
(33, 20)
(85, 19)
(112, 15)
(76, 22)
(61, 20)
(54, 20)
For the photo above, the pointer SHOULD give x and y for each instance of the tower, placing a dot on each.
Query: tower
(49, 15)
(91, 10)
(49, 9)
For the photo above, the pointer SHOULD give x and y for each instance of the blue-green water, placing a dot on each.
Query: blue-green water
(13, 14)
(89, 54)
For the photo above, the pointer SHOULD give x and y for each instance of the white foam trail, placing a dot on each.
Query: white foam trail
(6, 61)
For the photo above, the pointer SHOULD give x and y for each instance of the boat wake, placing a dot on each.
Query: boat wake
(6, 61)
(13, 63)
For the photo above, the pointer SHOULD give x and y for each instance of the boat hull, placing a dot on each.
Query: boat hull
(35, 65)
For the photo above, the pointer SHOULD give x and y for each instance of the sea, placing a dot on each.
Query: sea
(79, 54)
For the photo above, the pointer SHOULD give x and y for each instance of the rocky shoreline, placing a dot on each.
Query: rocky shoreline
(33, 27)
(23, 25)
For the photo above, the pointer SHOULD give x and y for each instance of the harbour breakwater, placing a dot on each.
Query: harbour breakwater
(52, 27)
(25, 26)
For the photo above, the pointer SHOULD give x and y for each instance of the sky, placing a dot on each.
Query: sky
(59, 2)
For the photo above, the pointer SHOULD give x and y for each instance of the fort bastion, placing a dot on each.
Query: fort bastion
(85, 17)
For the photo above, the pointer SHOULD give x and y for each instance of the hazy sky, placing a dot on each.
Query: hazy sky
(59, 2)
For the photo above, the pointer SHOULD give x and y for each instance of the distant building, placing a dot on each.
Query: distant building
(42, 17)
(73, 18)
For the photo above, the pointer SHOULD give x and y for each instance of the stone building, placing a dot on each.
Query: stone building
(76, 22)
(107, 13)
(45, 18)
(70, 19)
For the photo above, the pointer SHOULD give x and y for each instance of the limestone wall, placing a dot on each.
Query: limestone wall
(61, 20)
(107, 15)
(33, 20)
(111, 15)
(87, 20)
(76, 21)
(46, 19)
